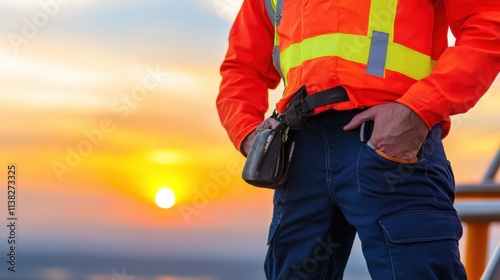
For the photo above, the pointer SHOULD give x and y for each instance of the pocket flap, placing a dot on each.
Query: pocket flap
(422, 226)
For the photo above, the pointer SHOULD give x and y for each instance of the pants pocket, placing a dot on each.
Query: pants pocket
(424, 245)
(395, 159)
(379, 176)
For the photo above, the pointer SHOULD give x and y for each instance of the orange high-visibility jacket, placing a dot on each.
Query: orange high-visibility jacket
(380, 51)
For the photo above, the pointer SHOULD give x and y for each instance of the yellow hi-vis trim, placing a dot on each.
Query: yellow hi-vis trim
(355, 48)
(274, 4)
(382, 17)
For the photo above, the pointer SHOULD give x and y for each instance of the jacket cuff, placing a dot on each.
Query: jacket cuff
(429, 107)
(242, 135)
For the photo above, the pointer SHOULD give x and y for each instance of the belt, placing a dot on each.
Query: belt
(301, 106)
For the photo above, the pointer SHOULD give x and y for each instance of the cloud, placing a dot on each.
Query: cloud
(225, 9)
(16, 67)
(41, 82)
(19, 5)
(24, 5)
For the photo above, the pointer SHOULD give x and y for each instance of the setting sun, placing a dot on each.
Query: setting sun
(165, 198)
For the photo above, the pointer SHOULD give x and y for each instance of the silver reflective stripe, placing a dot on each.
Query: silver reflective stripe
(378, 54)
(276, 60)
(276, 50)
(270, 12)
(275, 17)
(279, 10)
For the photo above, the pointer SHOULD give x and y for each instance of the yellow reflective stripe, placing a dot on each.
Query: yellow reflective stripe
(320, 46)
(381, 31)
(325, 45)
(355, 48)
(408, 62)
(382, 17)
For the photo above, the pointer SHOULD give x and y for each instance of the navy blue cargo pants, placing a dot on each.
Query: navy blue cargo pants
(403, 212)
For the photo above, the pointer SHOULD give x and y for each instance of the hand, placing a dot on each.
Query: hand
(247, 143)
(398, 131)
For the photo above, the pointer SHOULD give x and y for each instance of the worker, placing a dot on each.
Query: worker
(371, 162)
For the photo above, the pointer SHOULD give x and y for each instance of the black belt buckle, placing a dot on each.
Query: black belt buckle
(301, 106)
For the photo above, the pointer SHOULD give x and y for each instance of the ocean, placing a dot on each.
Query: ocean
(45, 266)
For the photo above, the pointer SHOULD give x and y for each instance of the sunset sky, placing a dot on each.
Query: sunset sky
(106, 102)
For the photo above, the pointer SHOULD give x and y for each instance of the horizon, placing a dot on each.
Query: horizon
(105, 103)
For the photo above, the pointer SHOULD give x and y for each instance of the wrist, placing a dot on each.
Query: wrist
(247, 143)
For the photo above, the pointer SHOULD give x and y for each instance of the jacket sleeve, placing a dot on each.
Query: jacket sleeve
(463, 73)
(247, 72)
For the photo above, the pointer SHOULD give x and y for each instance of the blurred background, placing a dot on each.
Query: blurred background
(104, 104)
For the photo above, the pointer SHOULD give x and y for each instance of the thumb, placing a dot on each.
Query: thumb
(267, 123)
(357, 120)
(271, 122)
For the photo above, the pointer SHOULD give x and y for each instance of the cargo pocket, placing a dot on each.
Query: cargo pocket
(278, 199)
(424, 245)
(451, 176)
(270, 265)
(272, 231)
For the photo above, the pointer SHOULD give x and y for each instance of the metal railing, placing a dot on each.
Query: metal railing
(492, 271)
(478, 206)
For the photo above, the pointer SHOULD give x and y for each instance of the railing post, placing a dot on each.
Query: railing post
(493, 169)
(492, 271)
(477, 234)
(476, 249)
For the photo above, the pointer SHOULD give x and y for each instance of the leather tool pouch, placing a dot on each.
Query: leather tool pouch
(269, 158)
